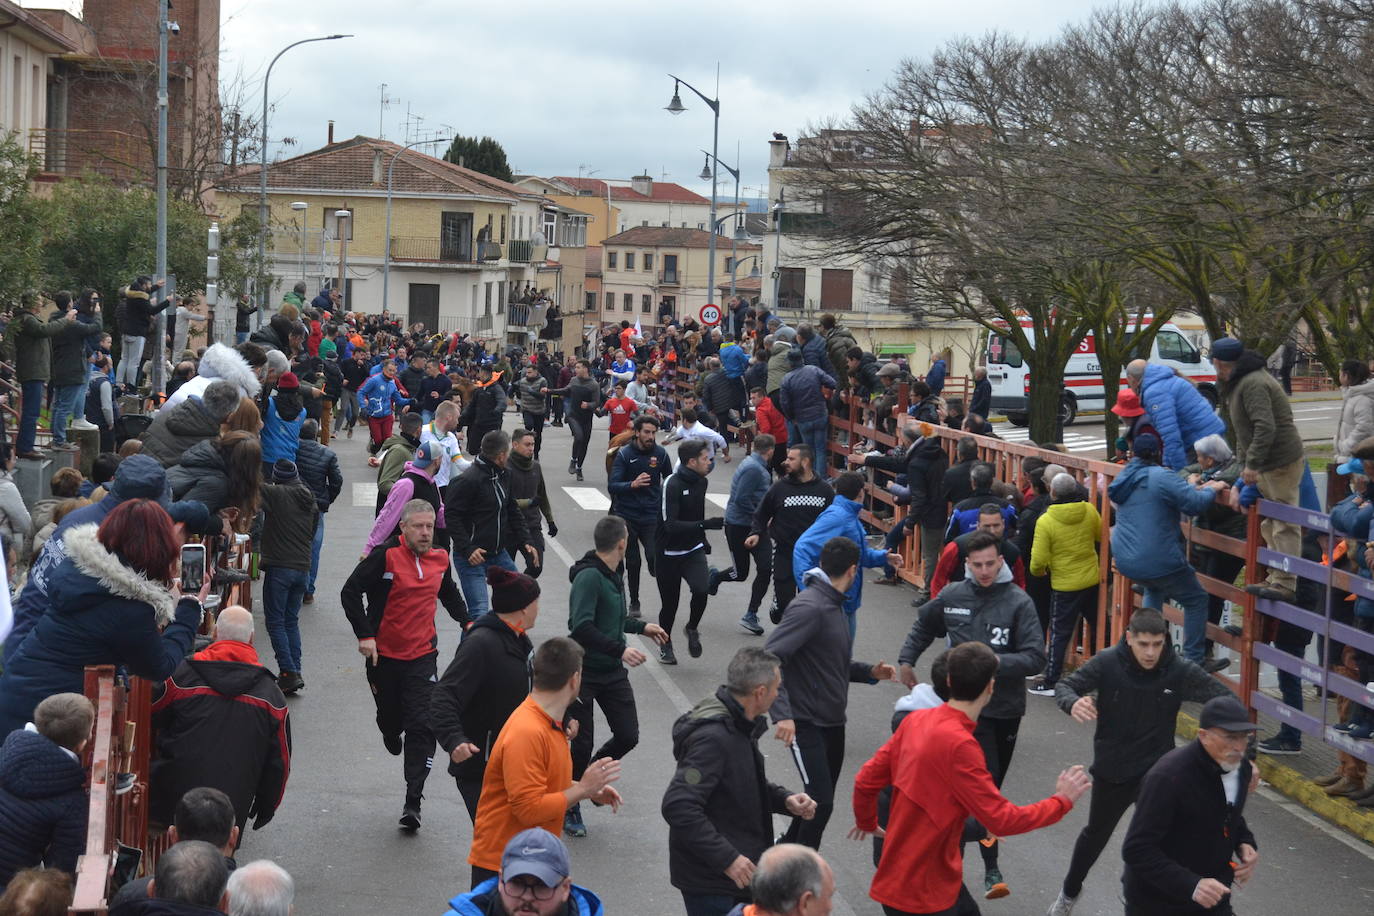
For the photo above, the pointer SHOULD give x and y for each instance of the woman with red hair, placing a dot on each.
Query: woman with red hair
(114, 601)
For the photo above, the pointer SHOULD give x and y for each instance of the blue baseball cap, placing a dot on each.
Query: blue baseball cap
(1353, 466)
(537, 853)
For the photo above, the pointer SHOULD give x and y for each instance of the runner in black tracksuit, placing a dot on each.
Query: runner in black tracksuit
(582, 390)
(682, 544)
(636, 489)
(788, 509)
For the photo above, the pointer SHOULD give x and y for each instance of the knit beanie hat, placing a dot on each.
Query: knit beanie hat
(284, 471)
(510, 591)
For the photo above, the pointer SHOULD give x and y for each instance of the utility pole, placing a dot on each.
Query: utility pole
(160, 341)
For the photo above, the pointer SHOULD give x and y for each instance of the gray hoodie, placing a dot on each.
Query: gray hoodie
(814, 644)
(1002, 616)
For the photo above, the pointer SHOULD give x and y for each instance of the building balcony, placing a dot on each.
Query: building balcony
(519, 252)
(69, 153)
(444, 251)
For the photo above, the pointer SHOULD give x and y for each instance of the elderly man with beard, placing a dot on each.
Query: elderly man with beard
(401, 580)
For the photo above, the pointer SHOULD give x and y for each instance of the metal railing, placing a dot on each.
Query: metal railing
(69, 152)
(519, 251)
(443, 251)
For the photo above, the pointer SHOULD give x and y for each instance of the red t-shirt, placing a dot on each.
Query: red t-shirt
(620, 411)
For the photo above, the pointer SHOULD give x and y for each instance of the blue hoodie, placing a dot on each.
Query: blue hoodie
(1147, 542)
(378, 395)
(477, 902)
(733, 360)
(839, 519)
(1180, 413)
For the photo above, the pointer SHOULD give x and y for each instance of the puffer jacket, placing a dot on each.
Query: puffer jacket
(1065, 546)
(319, 468)
(719, 804)
(202, 475)
(1181, 414)
(43, 805)
(864, 379)
(734, 360)
(219, 362)
(1266, 437)
(1356, 421)
(136, 318)
(485, 899)
(779, 363)
(838, 340)
(813, 353)
(101, 613)
(1146, 540)
(174, 433)
(800, 397)
(839, 519)
(529, 394)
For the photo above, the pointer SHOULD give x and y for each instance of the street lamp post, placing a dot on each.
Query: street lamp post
(341, 222)
(777, 247)
(300, 207)
(262, 178)
(676, 107)
(160, 334)
(386, 262)
(738, 235)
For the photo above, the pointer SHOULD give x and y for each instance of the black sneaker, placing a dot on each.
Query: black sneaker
(394, 745)
(1279, 747)
(713, 580)
(579, 474)
(290, 682)
(410, 815)
(693, 642)
(573, 825)
(750, 622)
(572, 466)
(775, 613)
(665, 654)
(1213, 665)
(635, 611)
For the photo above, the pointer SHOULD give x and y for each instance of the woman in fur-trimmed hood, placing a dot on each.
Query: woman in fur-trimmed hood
(113, 602)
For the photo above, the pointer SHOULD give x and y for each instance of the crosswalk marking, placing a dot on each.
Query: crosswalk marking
(365, 493)
(589, 498)
(720, 499)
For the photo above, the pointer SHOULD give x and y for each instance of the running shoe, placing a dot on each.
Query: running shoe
(994, 886)
(693, 642)
(1062, 906)
(410, 815)
(572, 822)
(751, 623)
(666, 655)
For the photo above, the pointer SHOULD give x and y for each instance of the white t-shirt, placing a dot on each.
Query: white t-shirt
(455, 463)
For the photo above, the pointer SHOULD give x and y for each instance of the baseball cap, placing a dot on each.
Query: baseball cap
(537, 853)
(1353, 466)
(426, 453)
(1226, 712)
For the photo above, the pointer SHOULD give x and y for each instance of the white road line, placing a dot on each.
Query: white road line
(365, 494)
(589, 498)
(720, 499)
(1307, 817)
(559, 550)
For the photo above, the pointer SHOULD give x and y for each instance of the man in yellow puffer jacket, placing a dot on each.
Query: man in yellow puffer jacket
(1066, 539)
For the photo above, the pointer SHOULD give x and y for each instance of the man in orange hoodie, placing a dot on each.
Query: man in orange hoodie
(939, 778)
(528, 781)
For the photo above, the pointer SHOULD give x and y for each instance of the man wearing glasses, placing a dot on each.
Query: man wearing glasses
(534, 881)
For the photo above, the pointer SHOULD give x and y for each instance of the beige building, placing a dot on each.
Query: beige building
(646, 267)
(28, 48)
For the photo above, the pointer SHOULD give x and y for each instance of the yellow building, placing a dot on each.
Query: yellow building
(462, 244)
(649, 269)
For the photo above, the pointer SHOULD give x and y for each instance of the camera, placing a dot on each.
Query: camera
(173, 27)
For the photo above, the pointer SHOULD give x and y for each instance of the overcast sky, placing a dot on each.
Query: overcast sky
(563, 85)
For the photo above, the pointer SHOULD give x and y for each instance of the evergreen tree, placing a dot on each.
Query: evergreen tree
(485, 155)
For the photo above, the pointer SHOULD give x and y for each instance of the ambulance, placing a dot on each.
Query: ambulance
(1011, 380)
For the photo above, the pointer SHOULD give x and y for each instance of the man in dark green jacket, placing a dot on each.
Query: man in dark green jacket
(32, 340)
(598, 621)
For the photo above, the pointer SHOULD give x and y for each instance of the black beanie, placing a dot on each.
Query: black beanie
(510, 591)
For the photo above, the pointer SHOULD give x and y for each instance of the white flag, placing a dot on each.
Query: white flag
(638, 331)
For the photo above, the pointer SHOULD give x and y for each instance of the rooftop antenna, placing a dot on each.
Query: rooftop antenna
(384, 102)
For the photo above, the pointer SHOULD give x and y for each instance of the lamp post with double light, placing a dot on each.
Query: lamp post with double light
(386, 261)
(676, 107)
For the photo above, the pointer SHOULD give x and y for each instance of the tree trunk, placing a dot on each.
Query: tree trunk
(1046, 389)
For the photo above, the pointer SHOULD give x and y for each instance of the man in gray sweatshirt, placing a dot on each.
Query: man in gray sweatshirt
(815, 645)
(747, 489)
(986, 607)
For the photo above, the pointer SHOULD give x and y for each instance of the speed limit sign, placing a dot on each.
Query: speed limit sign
(709, 314)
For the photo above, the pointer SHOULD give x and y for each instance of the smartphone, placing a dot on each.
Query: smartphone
(192, 567)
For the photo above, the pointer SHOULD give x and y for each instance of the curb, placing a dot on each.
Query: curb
(1344, 814)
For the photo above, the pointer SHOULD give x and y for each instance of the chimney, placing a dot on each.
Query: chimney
(643, 184)
(777, 151)
(376, 166)
(331, 132)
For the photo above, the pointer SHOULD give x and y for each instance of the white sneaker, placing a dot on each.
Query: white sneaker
(1062, 906)
(83, 424)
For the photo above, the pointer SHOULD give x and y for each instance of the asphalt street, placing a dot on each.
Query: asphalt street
(336, 829)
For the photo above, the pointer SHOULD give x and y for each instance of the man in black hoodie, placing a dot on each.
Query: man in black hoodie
(135, 320)
(788, 509)
(720, 805)
(488, 677)
(598, 622)
(1140, 684)
(682, 546)
(485, 525)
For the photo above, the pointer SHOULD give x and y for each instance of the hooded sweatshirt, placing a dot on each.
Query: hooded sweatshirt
(839, 519)
(1146, 540)
(596, 613)
(1066, 538)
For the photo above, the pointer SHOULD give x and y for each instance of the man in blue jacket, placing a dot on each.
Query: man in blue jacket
(1147, 543)
(733, 359)
(535, 878)
(841, 519)
(1181, 414)
(636, 489)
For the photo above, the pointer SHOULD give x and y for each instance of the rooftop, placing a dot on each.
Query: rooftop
(659, 191)
(668, 237)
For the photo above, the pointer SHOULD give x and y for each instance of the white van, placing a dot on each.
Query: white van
(1011, 380)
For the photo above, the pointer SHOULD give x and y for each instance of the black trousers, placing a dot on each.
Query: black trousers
(645, 533)
(672, 572)
(534, 422)
(533, 569)
(1108, 803)
(401, 690)
(822, 751)
(735, 536)
(784, 586)
(723, 426)
(611, 691)
(1221, 566)
(557, 407)
(471, 791)
(1038, 587)
(581, 427)
(997, 738)
(1067, 608)
(964, 906)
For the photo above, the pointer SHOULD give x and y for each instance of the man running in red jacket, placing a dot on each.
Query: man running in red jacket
(939, 778)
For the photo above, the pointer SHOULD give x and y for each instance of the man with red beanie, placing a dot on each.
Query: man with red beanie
(939, 778)
(401, 579)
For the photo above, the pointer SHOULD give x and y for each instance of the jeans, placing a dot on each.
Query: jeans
(1184, 589)
(315, 546)
(822, 751)
(1292, 640)
(130, 361)
(710, 904)
(473, 580)
(348, 411)
(611, 691)
(816, 433)
(1108, 802)
(63, 409)
(283, 590)
(28, 419)
(241, 336)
